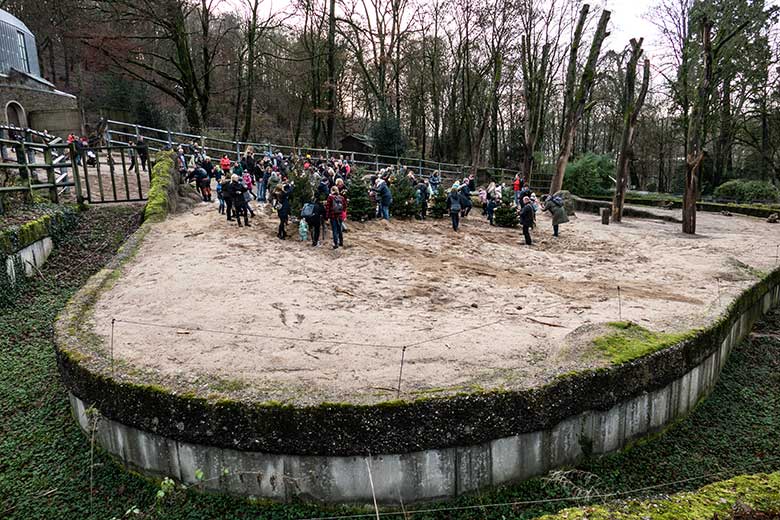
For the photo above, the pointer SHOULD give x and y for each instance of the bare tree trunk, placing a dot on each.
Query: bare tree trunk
(696, 132)
(250, 72)
(576, 98)
(239, 90)
(631, 107)
(724, 142)
(330, 128)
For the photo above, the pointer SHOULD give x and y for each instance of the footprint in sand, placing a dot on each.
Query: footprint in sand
(282, 312)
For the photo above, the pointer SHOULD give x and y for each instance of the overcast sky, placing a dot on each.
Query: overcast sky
(627, 21)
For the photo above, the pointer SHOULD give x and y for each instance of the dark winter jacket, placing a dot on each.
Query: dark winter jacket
(385, 195)
(527, 215)
(319, 214)
(201, 177)
(209, 167)
(422, 193)
(283, 192)
(235, 190)
(143, 149)
(558, 212)
(453, 201)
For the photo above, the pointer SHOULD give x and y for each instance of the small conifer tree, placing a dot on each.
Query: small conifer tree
(404, 199)
(506, 214)
(439, 204)
(360, 207)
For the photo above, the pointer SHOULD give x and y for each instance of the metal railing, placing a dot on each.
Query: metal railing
(98, 174)
(30, 157)
(120, 132)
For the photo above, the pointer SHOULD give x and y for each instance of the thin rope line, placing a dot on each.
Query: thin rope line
(411, 345)
(309, 340)
(264, 336)
(541, 501)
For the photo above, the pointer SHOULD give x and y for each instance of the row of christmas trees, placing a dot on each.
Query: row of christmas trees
(405, 203)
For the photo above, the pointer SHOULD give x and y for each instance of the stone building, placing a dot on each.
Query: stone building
(27, 100)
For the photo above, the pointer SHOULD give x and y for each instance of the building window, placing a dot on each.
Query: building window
(23, 51)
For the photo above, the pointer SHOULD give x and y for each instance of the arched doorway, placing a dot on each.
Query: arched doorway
(14, 114)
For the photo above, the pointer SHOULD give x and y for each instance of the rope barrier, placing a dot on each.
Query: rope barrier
(263, 336)
(307, 340)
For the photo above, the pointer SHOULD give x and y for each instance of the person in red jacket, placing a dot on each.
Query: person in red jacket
(517, 185)
(336, 211)
(224, 165)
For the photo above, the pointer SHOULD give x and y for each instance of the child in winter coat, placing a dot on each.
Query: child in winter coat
(303, 230)
(221, 197)
(454, 205)
(490, 209)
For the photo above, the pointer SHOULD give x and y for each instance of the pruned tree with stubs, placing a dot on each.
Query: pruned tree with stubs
(576, 94)
(632, 105)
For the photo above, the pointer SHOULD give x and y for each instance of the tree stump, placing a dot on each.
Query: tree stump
(605, 214)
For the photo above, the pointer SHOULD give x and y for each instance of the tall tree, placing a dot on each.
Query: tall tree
(632, 104)
(171, 45)
(576, 95)
(539, 64)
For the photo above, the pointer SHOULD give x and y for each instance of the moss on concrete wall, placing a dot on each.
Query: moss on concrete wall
(760, 493)
(163, 188)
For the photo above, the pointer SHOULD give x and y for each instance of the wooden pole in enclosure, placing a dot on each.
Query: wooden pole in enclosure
(75, 166)
(52, 178)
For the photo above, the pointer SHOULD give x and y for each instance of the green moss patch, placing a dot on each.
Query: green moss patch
(51, 221)
(163, 183)
(630, 341)
(758, 493)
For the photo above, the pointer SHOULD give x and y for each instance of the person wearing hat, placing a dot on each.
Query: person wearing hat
(527, 219)
(203, 183)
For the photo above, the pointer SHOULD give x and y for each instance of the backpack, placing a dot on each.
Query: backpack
(337, 206)
(557, 200)
(308, 210)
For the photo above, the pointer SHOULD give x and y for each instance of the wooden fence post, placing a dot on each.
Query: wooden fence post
(21, 158)
(75, 167)
(51, 177)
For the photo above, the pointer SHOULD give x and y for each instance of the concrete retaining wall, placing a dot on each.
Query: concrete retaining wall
(430, 474)
(32, 257)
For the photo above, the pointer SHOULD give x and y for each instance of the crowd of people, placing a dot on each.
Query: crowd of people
(267, 179)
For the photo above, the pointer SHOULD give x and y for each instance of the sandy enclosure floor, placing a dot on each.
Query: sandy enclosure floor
(476, 308)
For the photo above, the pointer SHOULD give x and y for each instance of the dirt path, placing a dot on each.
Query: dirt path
(329, 325)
